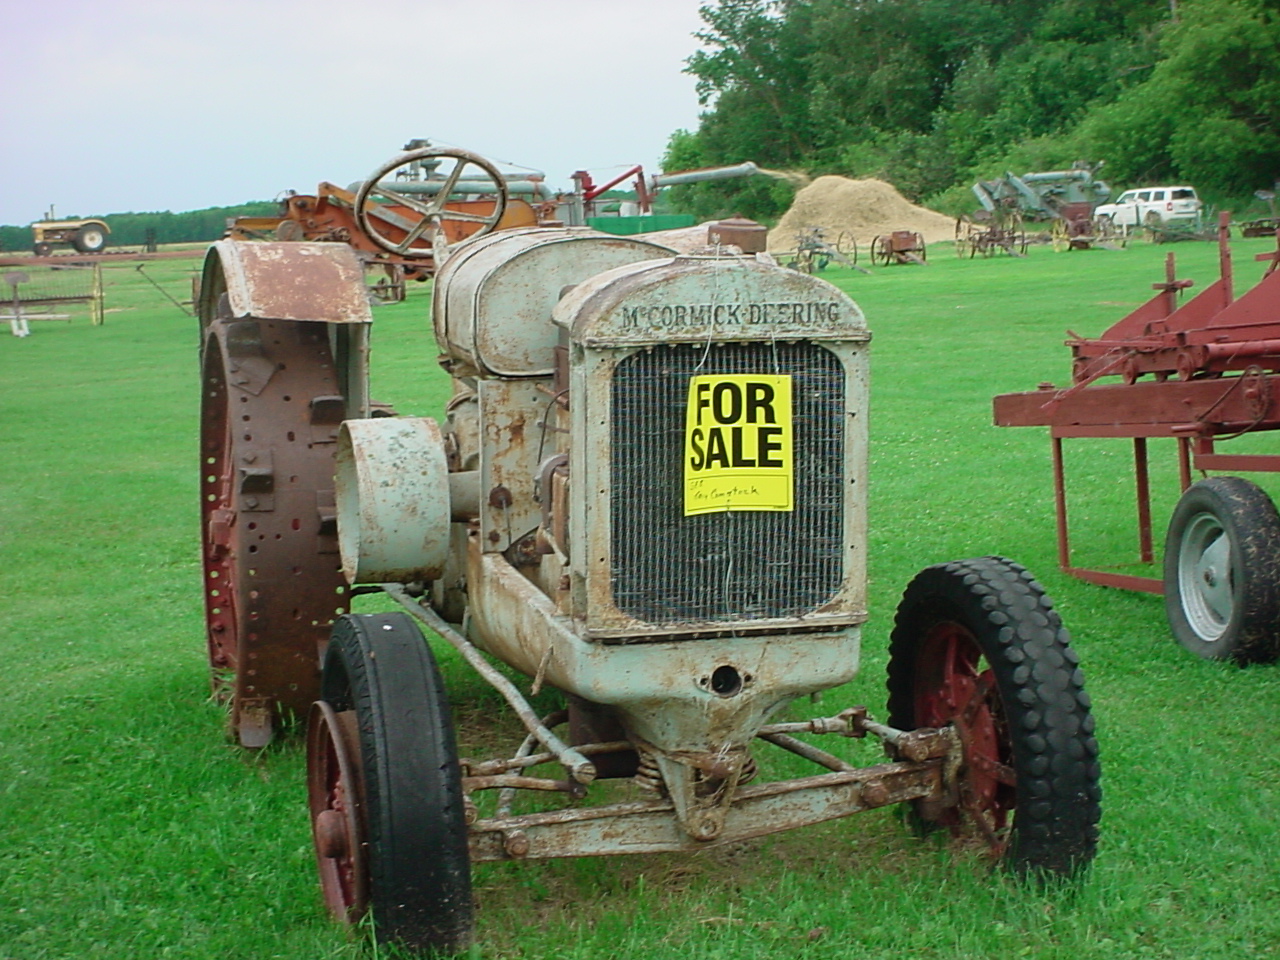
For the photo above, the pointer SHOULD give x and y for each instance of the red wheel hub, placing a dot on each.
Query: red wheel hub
(956, 687)
(336, 800)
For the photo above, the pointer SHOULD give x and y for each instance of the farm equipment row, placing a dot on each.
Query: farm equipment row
(1202, 372)
(404, 216)
(649, 494)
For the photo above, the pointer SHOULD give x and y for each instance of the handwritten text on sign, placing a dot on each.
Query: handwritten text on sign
(738, 443)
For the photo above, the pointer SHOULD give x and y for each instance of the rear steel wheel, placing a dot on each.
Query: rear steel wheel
(270, 411)
(977, 646)
(385, 709)
(1222, 572)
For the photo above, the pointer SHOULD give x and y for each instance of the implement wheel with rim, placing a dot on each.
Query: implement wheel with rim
(978, 647)
(1222, 572)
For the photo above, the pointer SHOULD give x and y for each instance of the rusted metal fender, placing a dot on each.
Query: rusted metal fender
(285, 281)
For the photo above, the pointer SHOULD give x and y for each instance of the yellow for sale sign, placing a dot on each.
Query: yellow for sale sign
(738, 443)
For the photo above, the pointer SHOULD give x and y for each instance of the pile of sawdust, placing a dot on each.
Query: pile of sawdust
(863, 209)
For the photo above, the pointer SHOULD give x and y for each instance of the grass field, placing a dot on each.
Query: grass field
(130, 827)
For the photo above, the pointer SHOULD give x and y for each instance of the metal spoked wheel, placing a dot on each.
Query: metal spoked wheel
(406, 222)
(1059, 234)
(383, 735)
(334, 796)
(978, 647)
(881, 251)
(847, 246)
(270, 410)
(1222, 590)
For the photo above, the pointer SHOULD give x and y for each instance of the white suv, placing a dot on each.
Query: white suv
(1151, 206)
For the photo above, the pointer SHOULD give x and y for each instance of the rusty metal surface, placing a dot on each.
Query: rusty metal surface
(512, 435)
(1201, 372)
(582, 769)
(661, 689)
(756, 811)
(292, 281)
(494, 297)
(700, 299)
(392, 496)
(272, 584)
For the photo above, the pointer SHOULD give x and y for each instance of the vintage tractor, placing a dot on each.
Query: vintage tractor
(86, 236)
(647, 495)
(1202, 372)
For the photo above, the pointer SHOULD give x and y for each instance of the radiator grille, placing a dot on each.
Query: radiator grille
(668, 568)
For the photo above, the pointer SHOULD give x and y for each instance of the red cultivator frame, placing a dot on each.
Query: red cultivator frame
(1202, 373)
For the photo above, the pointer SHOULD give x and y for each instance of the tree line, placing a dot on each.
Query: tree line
(933, 95)
(130, 229)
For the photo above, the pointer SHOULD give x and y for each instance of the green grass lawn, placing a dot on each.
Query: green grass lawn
(130, 827)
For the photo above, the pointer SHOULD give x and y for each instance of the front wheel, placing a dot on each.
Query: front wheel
(1222, 572)
(978, 647)
(385, 787)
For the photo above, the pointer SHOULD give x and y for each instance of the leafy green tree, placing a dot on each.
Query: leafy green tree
(1209, 113)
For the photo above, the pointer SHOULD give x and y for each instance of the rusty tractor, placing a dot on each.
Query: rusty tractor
(1202, 372)
(647, 495)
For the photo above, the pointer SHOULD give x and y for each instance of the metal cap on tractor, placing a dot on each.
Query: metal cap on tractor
(493, 298)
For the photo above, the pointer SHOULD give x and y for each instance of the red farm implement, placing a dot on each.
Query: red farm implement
(1202, 373)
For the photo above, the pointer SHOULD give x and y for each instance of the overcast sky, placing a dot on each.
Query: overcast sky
(130, 105)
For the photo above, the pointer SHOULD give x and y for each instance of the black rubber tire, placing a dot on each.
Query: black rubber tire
(90, 239)
(42, 249)
(1042, 806)
(419, 868)
(1240, 620)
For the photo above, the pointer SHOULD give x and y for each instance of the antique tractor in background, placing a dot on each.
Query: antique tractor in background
(648, 494)
(86, 236)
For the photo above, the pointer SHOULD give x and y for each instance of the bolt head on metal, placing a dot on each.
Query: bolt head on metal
(874, 793)
(516, 845)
